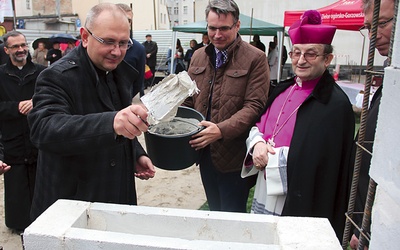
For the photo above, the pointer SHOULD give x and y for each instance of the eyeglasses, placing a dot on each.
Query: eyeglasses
(309, 56)
(381, 25)
(123, 45)
(221, 29)
(17, 46)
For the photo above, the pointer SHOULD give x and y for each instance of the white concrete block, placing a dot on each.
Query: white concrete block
(385, 163)
(385, 221)
(110, 226)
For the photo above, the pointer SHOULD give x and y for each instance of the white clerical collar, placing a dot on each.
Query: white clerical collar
(299, 82)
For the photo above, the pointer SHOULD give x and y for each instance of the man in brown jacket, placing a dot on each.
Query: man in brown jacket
(233, 78)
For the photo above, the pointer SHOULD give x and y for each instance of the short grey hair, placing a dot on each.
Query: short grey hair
(12, 33)
(124, 7)
(366, 5)
(223, 7)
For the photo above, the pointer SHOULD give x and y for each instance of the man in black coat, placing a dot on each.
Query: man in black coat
(17, 83)
(83, 121)
(54, 54)
(135, 55)
(3, 55)
(205, 40)
(386, 13)
(151, 57)
(3, 166)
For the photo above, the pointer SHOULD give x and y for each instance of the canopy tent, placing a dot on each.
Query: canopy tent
(248, 26)
(344, 14)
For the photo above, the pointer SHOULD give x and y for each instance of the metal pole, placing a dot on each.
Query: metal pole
(194, 10)
(251, 25)
(362, 57)
(14, 15)
(58, 12)
(155, 14)
(131, 6)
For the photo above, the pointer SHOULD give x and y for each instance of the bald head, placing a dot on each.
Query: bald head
(99, 10)
(106, 35)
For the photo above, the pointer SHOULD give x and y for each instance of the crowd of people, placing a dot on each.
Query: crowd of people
(70, 130)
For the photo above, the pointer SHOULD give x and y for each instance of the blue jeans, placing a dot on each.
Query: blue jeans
(225, 191)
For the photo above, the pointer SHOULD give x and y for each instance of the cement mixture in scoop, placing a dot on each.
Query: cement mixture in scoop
(177, 126)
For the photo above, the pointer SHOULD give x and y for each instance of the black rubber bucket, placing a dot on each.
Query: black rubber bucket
(173, 152)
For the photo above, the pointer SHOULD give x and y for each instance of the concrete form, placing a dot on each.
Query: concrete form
(84, 225)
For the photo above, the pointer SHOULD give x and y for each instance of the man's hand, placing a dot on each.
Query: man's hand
(25, 107)
(3, 167)
(210, 134)
(354, 243)
(131, 121)
(144, 168)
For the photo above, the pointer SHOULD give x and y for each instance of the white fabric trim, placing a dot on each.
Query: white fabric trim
(271, 187)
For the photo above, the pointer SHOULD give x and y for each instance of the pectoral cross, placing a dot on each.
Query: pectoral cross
(271, 142)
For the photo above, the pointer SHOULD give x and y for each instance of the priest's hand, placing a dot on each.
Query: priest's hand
(131, 121)
(144, 168)
(260, 154)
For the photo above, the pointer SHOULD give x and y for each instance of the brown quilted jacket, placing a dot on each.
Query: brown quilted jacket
(238, 91)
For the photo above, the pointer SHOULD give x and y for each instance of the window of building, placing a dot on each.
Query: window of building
(28, 4)
(185, 10)
(169, 10)
(185, 21)
(176, 11)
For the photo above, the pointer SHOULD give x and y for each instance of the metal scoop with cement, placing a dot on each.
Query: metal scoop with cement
(163, 100)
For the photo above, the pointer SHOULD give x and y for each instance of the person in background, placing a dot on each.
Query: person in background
(308, 127)
(39, 55)
(17, 82)
(70, 47)
(151, 49)
(135, 55)
(273, 65)
(382, 44)
(233, 78)
(54, 54)
(3, 166)
(83, 122)
(3, 55)
(257, 42)
(284, 53)
(179, 57)
(179, 64)
(189, 52)
(205, 40)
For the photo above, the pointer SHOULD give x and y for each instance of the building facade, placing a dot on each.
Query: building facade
(181, 12)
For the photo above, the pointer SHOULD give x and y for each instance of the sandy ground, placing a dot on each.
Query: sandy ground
(175, 189)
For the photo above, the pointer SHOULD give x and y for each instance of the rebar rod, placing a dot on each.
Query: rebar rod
(365, 227)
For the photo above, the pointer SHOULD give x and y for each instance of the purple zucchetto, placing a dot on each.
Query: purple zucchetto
(309, 29)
